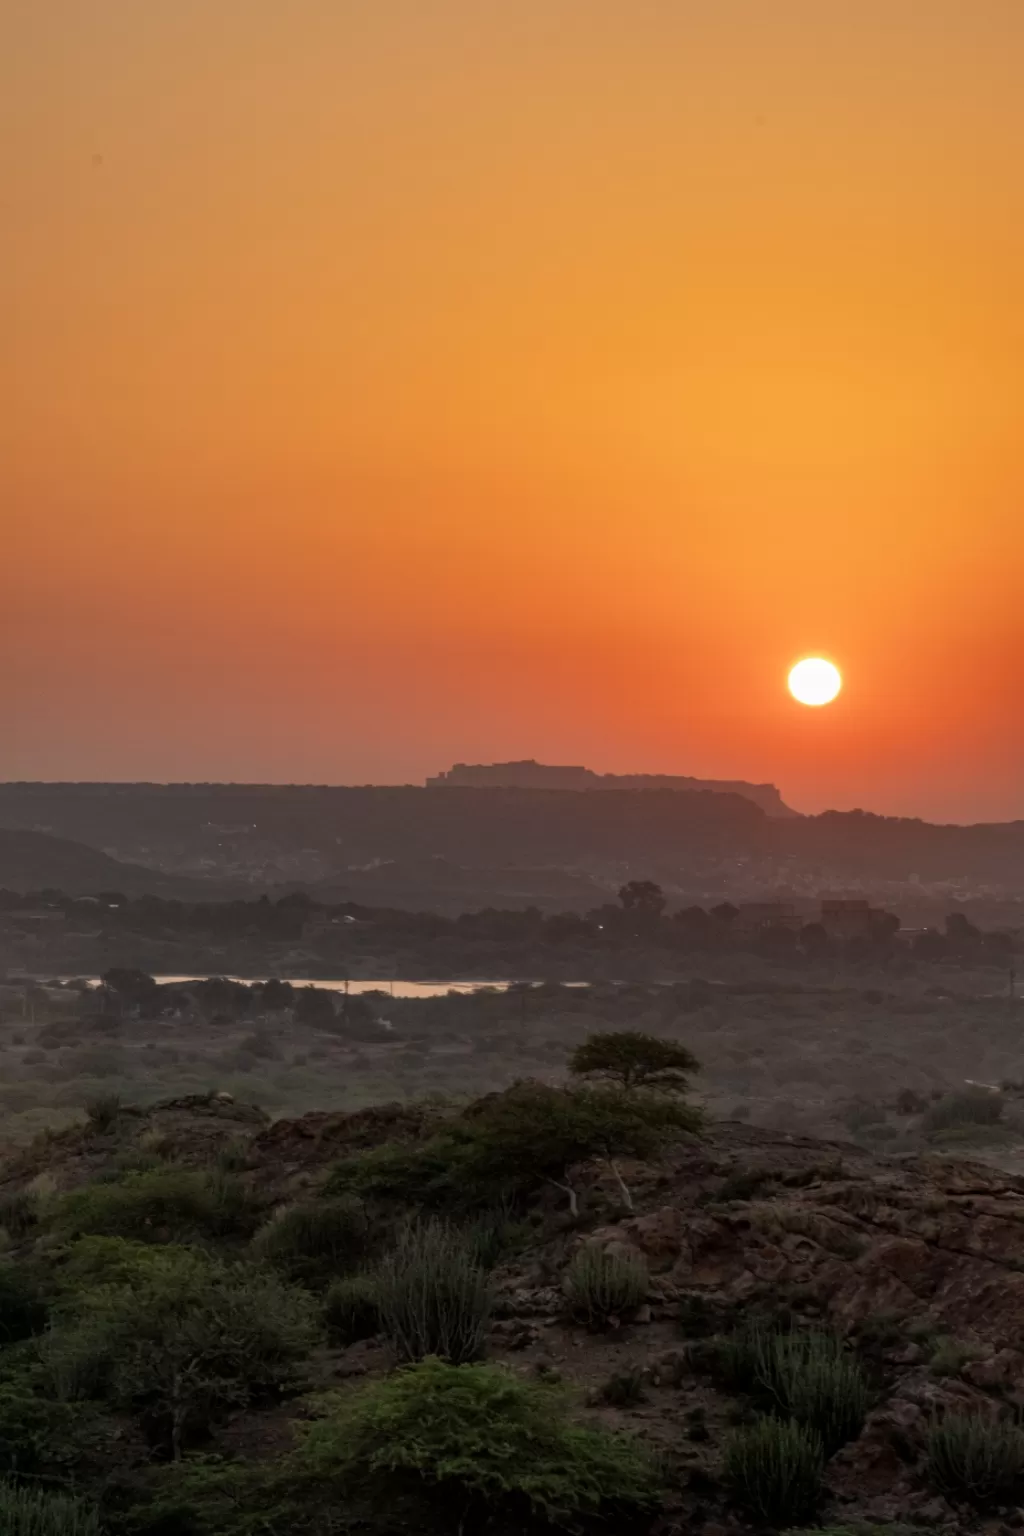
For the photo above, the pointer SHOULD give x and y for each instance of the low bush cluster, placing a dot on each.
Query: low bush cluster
(807, 1377)
(475, 1440)
(433, 1296)
(37, 1512)
(976, 1458)
(602, 1284)
(775, 1469)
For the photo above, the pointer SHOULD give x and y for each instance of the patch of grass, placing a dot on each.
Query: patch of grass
(743, 1184)
(950, 1357)
(602, 1284)
(957, 1110)
(23, 1312)
(352, 1309)
(103, 1112)
(36, 1512)
(624, 1389)
(434, 1296)
(805, 1377)
(164, 1204)
(476, 1443)
(19, 1213)
(970, 1456)
(774, 1469)
(315, 1239)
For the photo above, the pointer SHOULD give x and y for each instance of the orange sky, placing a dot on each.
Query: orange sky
(387, 382)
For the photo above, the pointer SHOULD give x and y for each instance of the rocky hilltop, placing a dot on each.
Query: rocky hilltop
(918, 1265)
(529, 774)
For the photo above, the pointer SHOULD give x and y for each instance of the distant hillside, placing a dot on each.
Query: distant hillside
(437, 885)
(35, 861)
(270, 835)
(533, 775)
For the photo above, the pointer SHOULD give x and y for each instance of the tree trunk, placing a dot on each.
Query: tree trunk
(623, 1188)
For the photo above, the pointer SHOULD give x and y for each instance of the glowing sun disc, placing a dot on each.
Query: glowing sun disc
(815, 681)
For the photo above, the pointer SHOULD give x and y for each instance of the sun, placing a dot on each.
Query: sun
(815, 681)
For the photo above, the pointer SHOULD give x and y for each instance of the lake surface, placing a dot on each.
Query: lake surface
(392, 988)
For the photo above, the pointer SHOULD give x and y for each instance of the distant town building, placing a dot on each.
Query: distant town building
(757, 916)
(847, 918)
(529, 774)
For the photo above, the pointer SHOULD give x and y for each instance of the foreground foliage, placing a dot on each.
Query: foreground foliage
(807, 1377)
(601, 1284)
(433, 1297)
(183, 1339)
(775, 1470)
(972, 1457)
(35, 1512)
(478, 1441)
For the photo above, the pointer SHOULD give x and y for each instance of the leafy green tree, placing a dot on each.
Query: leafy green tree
(630, 1060)
(131, 988)
(184, 1337)
(643, 897)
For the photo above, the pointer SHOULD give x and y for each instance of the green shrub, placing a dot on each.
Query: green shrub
(742, 1184)
(352, 1309)
(434, 1297)
(22, 1310)
(956, 1110)
(950, 1357)
(775, 1468)
(103, 1112)
(315, 1239)
(494, 1235)
(158, 1206)
(624, 1389)
(807, 1377)
(601, 1284)
(972, 1457)
(34, 1512)
(19, 1213)
(866, 1529)
(513, 1142)
(479, 1442)
(186, 1339)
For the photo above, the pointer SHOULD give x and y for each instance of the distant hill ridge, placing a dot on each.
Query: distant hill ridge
(529, 774)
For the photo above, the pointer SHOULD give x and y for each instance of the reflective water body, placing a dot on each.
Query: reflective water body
(392, 988)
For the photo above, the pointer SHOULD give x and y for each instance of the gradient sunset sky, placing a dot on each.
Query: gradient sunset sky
(391, 382)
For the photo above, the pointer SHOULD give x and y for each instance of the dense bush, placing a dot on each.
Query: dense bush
(807, 1377)
(958, 1110)
(973, 1457)
(184, 1339)
(511, 1143)
(601, 1284)
(161, 1205)
(22, 1309)
(34, 1512)
(352, 1309)
(103, 1112)
(316, 1239)
(19, 1213)
(775, 1469)
(434, 1297)
(478, 1441)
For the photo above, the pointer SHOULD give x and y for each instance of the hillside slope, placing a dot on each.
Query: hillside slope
(37, 861)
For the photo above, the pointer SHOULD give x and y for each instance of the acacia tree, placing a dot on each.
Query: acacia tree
(533, 1133)
(629, 1059)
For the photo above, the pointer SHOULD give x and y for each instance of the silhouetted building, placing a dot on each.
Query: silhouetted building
(847, 917)
(757, 916)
